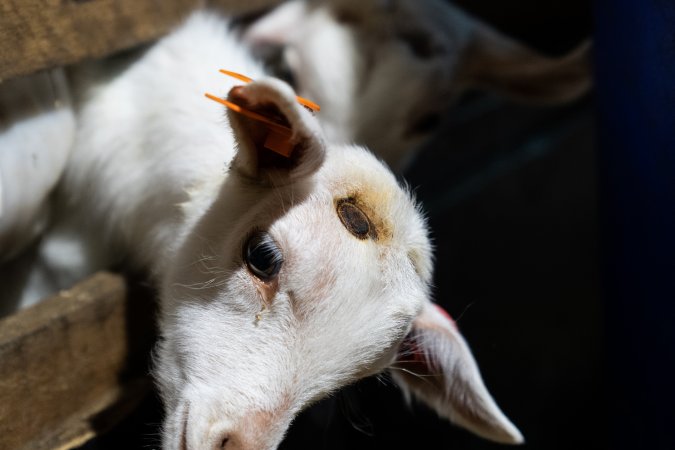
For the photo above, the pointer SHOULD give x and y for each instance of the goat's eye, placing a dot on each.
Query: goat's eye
(425, 125)
(262, 255)
(421, 44)
(355, 220)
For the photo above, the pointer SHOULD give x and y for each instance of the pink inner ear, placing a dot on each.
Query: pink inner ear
(267, 127)
(412, 355)
(447, 315)
(411, 351)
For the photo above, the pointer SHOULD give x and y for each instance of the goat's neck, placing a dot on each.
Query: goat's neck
(152, 151)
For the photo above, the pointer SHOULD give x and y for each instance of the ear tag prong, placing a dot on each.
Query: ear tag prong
(279, 143)
(278, 138)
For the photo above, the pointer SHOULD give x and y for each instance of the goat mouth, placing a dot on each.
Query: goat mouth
(183, 433)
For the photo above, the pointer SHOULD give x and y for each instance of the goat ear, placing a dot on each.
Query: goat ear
(435, 364)
(255, 159)
(497, 62)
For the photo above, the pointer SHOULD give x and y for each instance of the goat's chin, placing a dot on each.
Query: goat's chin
(186, 428)
(174, 429)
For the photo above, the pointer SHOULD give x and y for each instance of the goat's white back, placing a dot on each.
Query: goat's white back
(36, 134)
(387, 70)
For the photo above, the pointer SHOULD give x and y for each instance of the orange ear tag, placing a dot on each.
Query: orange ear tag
(278, 136)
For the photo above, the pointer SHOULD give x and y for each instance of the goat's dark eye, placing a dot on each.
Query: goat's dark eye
(355, 220)
(421, 44)
(425, 125)
(263, 257)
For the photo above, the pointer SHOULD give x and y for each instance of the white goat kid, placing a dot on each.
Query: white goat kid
(397, 65)
(36, 133)
(280, 279)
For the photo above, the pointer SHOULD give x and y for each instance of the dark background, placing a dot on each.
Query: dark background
(511, 196)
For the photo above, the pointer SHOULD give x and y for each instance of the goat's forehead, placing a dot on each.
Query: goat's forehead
(350, 168)
(352, 175)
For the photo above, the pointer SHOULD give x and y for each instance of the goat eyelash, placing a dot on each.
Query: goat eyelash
(262, 255)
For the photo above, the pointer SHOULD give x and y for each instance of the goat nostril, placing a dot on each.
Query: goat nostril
(223, 443)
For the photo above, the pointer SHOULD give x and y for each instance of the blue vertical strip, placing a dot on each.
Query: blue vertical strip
(635, 92)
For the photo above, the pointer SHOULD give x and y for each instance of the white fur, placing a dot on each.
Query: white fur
(159, 177)
(35, 142)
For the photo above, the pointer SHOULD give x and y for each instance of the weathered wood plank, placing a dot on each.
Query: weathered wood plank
(40, 34)
(73, 364)
(243, 7)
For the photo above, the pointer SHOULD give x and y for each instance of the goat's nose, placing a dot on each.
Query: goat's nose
(227, 441)
(238, 441)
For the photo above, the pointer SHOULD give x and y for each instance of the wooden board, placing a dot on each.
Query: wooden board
(71, 366)
(243, 7)
(40, 34)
